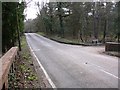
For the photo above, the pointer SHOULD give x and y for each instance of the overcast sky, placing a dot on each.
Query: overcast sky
(32, 9)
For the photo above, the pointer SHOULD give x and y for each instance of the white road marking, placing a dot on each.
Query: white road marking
(105, 71)
(109, 73)
(35, 50)
(96, 65)
(47, 76)
(100, 68)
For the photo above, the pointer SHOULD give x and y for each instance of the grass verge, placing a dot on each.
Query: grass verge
(25, 75)
(68, 41)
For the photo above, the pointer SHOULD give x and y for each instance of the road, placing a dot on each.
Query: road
(72, 66)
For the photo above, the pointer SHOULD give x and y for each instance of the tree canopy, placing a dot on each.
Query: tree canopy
(12, 23)
(84, 21)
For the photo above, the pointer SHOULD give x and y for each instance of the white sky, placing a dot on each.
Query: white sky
(31, 10)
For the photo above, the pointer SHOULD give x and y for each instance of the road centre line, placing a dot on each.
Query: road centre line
(105, 71)
(100, 68)
(109, 73)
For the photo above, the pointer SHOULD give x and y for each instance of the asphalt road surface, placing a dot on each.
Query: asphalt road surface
(72, 66)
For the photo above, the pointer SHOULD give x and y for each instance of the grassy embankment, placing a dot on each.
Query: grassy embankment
(65, 40)
(77, 42)
(25, 75)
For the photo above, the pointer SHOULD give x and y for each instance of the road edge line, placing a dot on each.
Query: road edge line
(46, 74)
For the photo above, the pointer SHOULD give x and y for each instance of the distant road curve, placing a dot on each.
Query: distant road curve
(72, 66)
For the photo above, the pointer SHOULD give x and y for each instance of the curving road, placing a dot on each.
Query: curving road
(72, 66)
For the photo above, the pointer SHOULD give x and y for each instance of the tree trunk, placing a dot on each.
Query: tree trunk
(51, 19)
(60, 19)
(18, 33)
(95, 21)
(104, 32)
(118, 36)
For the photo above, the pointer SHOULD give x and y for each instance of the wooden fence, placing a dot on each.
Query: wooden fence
(7, 66)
